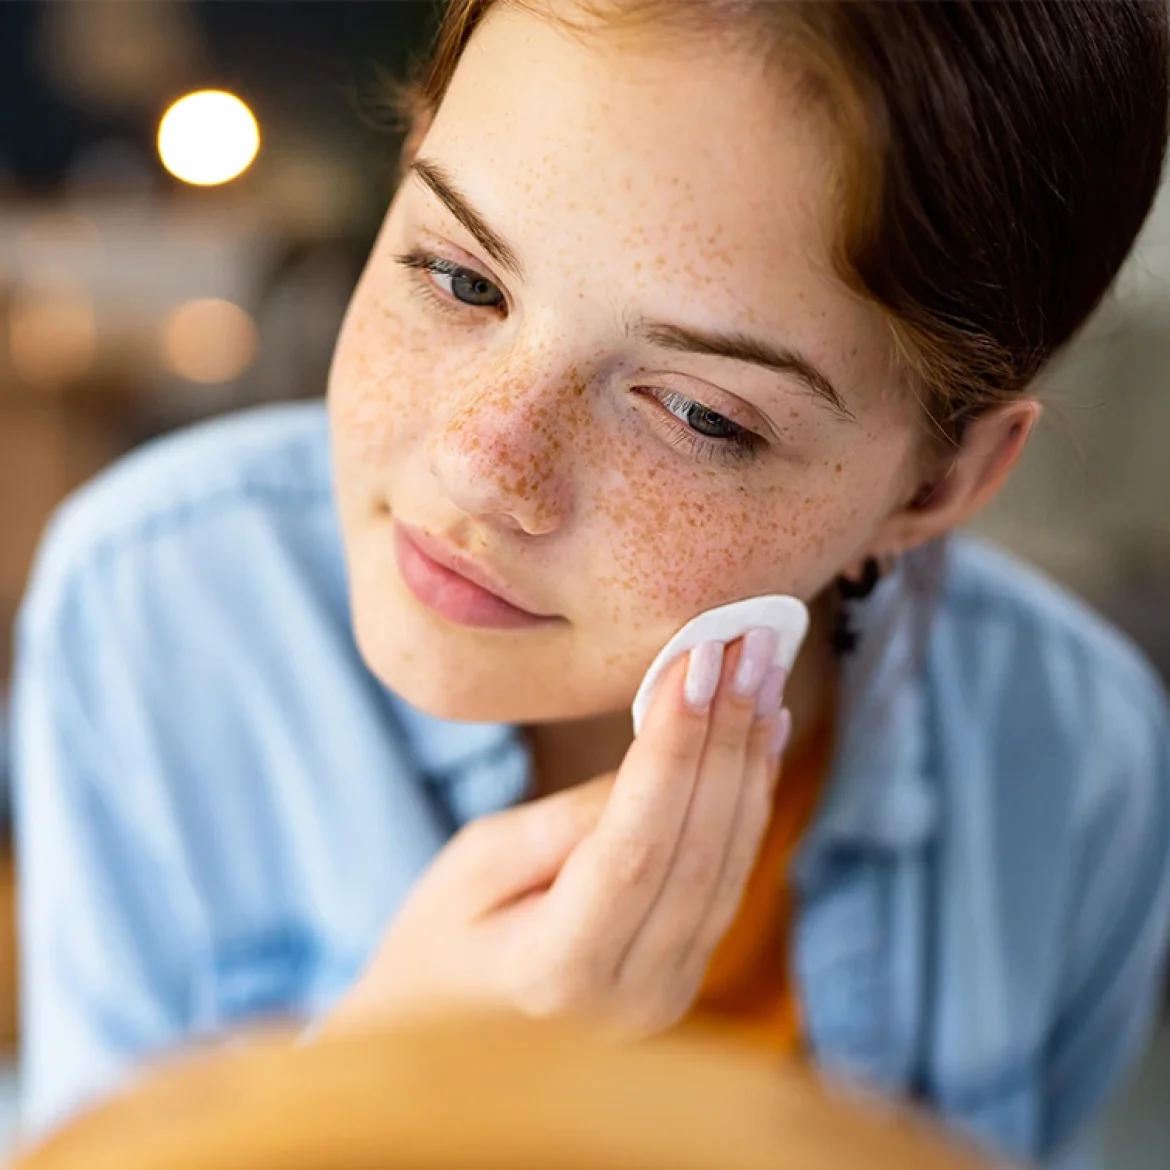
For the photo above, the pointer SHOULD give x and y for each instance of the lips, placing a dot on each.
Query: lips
(456, 588)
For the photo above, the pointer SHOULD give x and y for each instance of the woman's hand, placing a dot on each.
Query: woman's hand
(607, 899)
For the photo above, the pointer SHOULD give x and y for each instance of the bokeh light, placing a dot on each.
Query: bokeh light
(57, 247)
(209, 341)
(52, 336)
(207, 138)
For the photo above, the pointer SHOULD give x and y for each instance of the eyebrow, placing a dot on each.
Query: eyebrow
(439, 183)
(742, 348)
(736, 346)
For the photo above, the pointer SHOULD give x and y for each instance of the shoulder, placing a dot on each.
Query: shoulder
(1065, 704)
(987, 592)
(1021, 630)
(267, 462)
(184, 658)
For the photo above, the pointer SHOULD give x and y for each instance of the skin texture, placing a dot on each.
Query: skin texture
(622, 180)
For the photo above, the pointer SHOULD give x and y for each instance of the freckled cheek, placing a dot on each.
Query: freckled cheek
(679, 545)
(378, 386)
(677, 559)
(670, 539)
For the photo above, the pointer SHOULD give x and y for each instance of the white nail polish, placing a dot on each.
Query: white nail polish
(704, 666)
(771, 693)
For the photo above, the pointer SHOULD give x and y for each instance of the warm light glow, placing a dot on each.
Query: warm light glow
(207, 138)
(209, 341)
(57, 247)
(52, 337)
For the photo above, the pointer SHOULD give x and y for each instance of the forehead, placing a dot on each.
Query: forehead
(678, 177)
(669, 135)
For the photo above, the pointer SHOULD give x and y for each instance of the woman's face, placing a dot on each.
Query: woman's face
(599, 355)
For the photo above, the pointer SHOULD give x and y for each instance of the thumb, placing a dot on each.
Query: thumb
(500, 858)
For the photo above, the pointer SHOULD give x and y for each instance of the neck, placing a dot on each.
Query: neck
(567, 754)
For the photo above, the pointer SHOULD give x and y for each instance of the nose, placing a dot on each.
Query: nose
(501, 453)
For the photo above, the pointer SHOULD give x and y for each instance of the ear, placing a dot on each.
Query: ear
(956, 488)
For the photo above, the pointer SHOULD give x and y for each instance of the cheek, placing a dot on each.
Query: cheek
(680, 542)
(380, 367)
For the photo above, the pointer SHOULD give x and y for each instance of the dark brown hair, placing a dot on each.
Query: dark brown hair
(999, 160)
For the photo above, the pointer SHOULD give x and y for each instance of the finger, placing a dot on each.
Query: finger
(726, 771)
(497, 859)
(609, 883)
(757, 802)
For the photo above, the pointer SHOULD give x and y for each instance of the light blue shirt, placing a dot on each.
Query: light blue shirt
(220, 808)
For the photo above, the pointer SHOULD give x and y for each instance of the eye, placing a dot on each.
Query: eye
(455, 281)
(701, 419)
(469, 287)
(704, 433)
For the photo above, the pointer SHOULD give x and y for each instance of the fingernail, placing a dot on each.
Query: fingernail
(755, 657)
(704, 667)
(771, 692)
(782, 733)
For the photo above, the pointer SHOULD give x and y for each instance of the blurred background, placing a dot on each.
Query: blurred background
(163, 260)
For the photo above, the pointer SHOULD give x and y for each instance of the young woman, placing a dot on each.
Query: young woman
(676, 304)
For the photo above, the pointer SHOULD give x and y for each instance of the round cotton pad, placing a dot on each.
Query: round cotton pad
(786, 615)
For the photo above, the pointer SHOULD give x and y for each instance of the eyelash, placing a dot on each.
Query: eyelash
(426, 265)
(740, 447)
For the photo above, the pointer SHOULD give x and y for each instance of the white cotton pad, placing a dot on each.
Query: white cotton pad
(786, 615)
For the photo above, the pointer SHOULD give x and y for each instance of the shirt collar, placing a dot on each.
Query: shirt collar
(475, 768)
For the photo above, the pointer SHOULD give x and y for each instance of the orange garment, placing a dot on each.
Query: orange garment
(748, 989)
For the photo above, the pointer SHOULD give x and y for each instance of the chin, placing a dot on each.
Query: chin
(461, 675)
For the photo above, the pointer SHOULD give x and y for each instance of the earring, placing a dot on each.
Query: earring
(844, 636)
